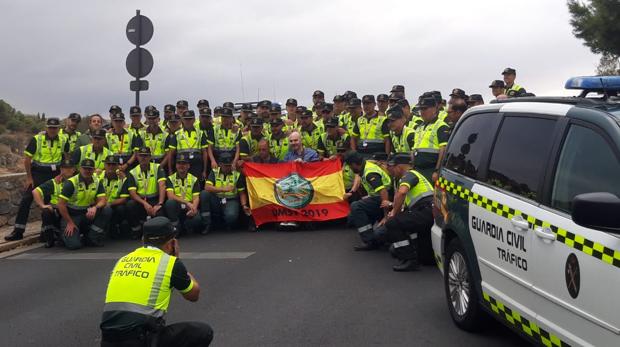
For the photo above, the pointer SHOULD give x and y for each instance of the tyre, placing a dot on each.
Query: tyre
(463, 300)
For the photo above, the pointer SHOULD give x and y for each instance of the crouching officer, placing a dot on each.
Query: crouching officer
(46, 197)
(186, 203)
(116, 189)
(139, 292)
(81, 205)
(147, 189)
(371, 208)
(226, 189)
(411, 217)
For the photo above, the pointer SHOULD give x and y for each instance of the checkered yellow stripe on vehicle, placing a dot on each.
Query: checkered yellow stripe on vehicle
(512, 317)
(578, 242)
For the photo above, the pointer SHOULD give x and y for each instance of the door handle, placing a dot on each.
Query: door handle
(544, 233)
(519, 223)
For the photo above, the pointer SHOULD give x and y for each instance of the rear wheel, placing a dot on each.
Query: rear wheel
(463, 301)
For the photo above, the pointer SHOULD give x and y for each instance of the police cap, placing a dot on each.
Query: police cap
(459, 93)
(225, 158)
(395, 97)
(275, 108)
(475, 98)
(174, 118)
(264, 103)
(88, 163)
(397, 88)
(339, 98)
(427, 102)
(368, 99)
(202, 103)
(327, 107)
(301, 109)
(112, 159)
(256, 122)
(158, 228)
(75, 116)
(205, 111)
(383, 97)
(353, 157)
(497, 84)
(306, 114)
(318, 93)
(354, 102)
(246, 107)
(188, 114)
(135, 110)
(509, 71)
(152, 114)
(395, 112)
(350, 95)
(332, 122)
(403, 103)
(150, 108)
(379, 156)
(118, 116)
(170, 108)
(226, 112)
(217, 110)
(52, 123)
(399, 158)
(182, 158)
(291, 101)
(67, 163)
(99, 133)
(182, 103)
(144, 151)
(276, 122)
(229, 105)
(115, 109)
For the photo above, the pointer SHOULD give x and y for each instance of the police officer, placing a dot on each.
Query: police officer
(382, 104)
(202, 103)
(398, 90)
(248, 145)
(226, 192)
(455, 111)
(169, 111)
(244, 116)
(139, 292)
(512, 90)
(310, 132)
(135, 114)
(475, 100)
(81, 206)
(182, 106)
(262, 110)
(340, 105)
(431, 138)
(371, 130)
(401, 137)
(317, 97)
(278, 139)
(70, 130)
(116, 189)
(95, 151)
(205, 122)
(354, 112)
(42, 158)
(351, 180)
(192, 142)
(174, 125)
(458, 95)
(147, 189)
(371, 209)
(497, 88)
(274, 113)
(186, 204)
(332, 139)
(326, 112)
(46, 197)
(225, 138)
(411, 217)
(124, 142)
(154, 137)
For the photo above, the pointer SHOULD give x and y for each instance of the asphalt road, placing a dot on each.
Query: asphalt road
(259, 289)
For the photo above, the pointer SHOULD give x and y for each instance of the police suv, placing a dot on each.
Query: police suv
(527, 216)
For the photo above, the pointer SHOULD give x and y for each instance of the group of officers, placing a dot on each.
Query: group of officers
(188, 167)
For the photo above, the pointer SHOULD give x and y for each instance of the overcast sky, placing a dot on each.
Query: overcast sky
(69, 56)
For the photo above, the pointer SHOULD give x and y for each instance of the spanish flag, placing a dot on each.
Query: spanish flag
(296, 191)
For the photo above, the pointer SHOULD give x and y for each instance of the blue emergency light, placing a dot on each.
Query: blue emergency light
(598, 83)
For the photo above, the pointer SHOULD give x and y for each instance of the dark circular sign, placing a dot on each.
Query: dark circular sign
(139, 30)
(139, 62)
(294, 191)
(572, 275)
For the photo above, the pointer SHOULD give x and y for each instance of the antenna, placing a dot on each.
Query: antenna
(242, 87)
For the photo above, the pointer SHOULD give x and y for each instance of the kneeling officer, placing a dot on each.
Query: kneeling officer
(139, 293)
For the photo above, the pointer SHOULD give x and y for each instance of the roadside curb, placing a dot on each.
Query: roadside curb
(26, 241)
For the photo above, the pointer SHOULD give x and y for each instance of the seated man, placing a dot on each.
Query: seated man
(46, 197)
(411, 217)
(186, 204)
(115, 185)
(147, 189)
(226, 189)
(296, 150)
(81, 205)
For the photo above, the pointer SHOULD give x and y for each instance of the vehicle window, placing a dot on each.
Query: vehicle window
(470, 144)
(520, 155)
(587, 164)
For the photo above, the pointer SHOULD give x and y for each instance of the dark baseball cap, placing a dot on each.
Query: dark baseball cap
(67, 163)
(170, 108)
(188, 114)
(276, 122)
(152, 113)
(75, 116)
(318, 93)
(380, 156)
(52, 123)
(264, 103)
(205, 111)
(99, 133)
(353, 157)
(397, 88)
(332, 122)
(112, 159)
(475, 98)
(291, 101)
(182, 158)
(226, 112)
(395, 97)
(217, 110)
(327, 107)
(150, 108)
(202, 103)
(509, 71)
(301, 109)
(306, 114)
(158, 228)
(395, 112)
(115, 109)
(497, 84)
(225, 158)
(256, 122)
(118, 116)
(144, 151)
(229, 105)
(459, 93)
(135, 110)
(427, 102)
(175, 118)
(403, 103)
(350, 94)
(275, 108)
(182, 103)
(339, 98)
(354, 102)
(88, 163)
(368, 99)
(246, 107)
(383, 97)
(399, 158)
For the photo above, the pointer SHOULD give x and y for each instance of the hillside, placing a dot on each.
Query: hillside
(16, 129)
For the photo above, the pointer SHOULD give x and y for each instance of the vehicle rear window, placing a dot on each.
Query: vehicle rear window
(520, 155)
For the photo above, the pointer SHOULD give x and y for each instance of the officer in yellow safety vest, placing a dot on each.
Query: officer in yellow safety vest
(332, 139)
(135, 114)
(174, 125)
(340, 106)
(182, 106)
(278, 139)
(349, 119)
(70, 131)
(227, 194)
(95, 151)
(372, 208)
(291, 121)
(458, 95)
(402, 138)
(147, 189)
(382, 104)
(248, 145)
(42, 159)
(186, 206)
(117, 192)
(154, 137)
(139, 292)
(431, 138)
(350, 179)
(225, 138)
(498, 88)
(262, 110)
(169, 111)
(81, 205)
(193, 142)
(274, 113)
(409, 222)
(245, 116)
(371, 131)
(310, 133)
(398, 90)
(512, 90)
(46, 197)
(317, 97)
(123, 142)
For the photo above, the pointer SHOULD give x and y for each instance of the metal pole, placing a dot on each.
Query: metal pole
(139, 58)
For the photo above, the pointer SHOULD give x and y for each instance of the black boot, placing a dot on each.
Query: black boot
(366, 247)
(47, 236)
(407, 265)
(15, 235)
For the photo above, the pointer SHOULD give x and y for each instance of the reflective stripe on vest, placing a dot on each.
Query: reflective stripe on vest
(99, 158)
(332, 145)
(156, 142)
(514, 87)
(225, 138)
(140, 283)
(252, 144)
(83, 196)
(112, 186)
(120, 145)
(222, 180)
(426, 137)
(183, 187)
(370, 129)
(71, 138)
(146, 182)
(369, 168)
(311, 139)
(278, 147)
(348, 176)
(189, 141)
(48, 152)
(399, 142)
(421, 190)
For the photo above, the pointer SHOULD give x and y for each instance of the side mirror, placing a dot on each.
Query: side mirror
(599, 211)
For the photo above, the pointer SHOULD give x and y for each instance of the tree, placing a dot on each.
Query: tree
(598, 24)
(609, 65)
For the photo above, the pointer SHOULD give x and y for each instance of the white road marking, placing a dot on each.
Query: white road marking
(116, 255)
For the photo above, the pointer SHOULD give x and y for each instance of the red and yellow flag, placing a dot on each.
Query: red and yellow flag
(296, 191)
